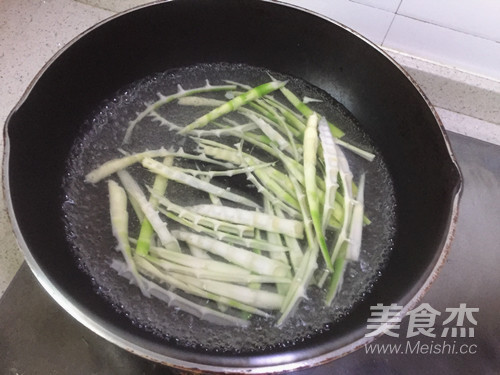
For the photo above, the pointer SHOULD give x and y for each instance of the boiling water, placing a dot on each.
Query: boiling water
(89, 230)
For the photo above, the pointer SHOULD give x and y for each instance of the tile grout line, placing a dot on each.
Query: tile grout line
(392, 21)
(446, 28)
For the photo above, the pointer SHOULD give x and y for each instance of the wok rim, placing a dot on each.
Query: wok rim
(99, 327)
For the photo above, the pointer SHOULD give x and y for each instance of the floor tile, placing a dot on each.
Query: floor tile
(477, 17)
(449, 47)
(389, 5)
(370, 22)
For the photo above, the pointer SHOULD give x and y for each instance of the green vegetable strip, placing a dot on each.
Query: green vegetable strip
(271, 196)
(236, 130)
(186, 179)
(331, 169)
(292, 118)
(213, 198)
(356, 227)
(174, 280)
(260, 220)
(280, 120)
(199, 157)
(259, 140)
(150, 213)
(119, 225)
(254, 297)
(254, 262)
(306, 111)
(257, 106)
(291, 132)
(147, 231)
(306, 215)
(227, 172)
(167, 99)
(253, 243)
(267, 118)
(194, 217)
(287, 113)
(269, 131)
(262, 141)
(275, 239)
(174, 300)
(198, 253)
(278, 189)
(137, 208)
(310, 158)
(223, 152)
(233, 104)
(298, 288)
(346, 183)
(114, 165)
(293, 245)
(242, 85)
(239, 278)
(188, 260)
(364, 154)
(337, 276)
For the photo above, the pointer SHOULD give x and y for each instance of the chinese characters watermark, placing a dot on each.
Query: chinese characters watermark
(422, 320)
(457, 322)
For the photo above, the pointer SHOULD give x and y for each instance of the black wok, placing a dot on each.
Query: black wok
(389, 107)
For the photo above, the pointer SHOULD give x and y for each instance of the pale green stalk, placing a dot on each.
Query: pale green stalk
(112, 166)
(167, 99)
(258, 298)
(363, 153)
(260, 220)
(331, 169)
(206, 221)
(293, 245)
(239, 256)
(119, 225)
(346, 182)
(337, 276)
(174, 300)
(188, 260)
(298, 287)
(310, 158)
(222, 173)
(306, 111)
(252, 243)
(275, 239)
(147, 231)
(149, 211)
(171, 268)
(186, 179)
(356, 226)
(233, 104)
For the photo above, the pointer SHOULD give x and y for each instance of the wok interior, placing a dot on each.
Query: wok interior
(180, 33)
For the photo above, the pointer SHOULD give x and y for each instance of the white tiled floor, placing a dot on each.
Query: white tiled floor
(476, 17)
(371, 22)
(464, 34)
(389, 5)
(444, 45)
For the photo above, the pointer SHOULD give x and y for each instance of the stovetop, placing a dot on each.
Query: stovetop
(39, 337)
